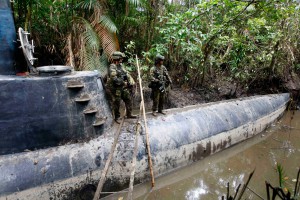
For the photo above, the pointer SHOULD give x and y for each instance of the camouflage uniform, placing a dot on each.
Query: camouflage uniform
(120, 83)
(160, 80)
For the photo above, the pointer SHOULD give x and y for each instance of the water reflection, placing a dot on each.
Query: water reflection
(196, 193)
(208, 178)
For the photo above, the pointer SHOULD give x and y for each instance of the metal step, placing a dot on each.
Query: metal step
(74, 84)
(99, 121)
(84, 98)
(90, 110)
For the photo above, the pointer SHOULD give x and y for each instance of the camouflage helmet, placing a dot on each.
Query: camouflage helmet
(159, 57)
(116, 55)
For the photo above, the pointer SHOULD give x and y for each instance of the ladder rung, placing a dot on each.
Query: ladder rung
(120, 151)
(118, 175)
(113, 192)
(126, 133)
(127, 140)
(121, 161)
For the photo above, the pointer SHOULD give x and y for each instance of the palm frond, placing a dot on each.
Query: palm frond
(107, 32)
(94, 61)
(87, 58)
(87, 4)
(89, 61)
(103, 65)
(109, 41)
(107, 23)
(90, 37)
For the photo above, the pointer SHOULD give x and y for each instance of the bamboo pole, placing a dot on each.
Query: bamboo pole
(108, 161)
(146, 127)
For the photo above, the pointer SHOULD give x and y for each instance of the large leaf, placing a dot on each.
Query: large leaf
(88, 4)
(108, 24)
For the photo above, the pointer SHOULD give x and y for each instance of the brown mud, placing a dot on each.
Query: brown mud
(222, 88)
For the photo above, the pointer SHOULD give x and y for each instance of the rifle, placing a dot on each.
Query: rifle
(162, 83)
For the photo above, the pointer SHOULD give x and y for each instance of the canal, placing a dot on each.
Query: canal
(208, 178)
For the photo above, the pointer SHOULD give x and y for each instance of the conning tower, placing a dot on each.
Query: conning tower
(7, 39)
(52, 107)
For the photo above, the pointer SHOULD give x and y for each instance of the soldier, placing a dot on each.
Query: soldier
(120, 83)
(160, 80)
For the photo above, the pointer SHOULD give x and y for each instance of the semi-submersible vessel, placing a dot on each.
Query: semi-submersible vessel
(56, 127)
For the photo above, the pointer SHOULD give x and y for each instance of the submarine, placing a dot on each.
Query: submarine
(57, 128)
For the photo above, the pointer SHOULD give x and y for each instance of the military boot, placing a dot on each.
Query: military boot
(162, 112)
(131, 116)
(154, 113)
(118, 120)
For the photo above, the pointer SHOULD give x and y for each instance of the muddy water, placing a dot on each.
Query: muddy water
(207, 179)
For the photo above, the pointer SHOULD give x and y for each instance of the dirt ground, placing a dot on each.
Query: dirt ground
(180, 96)
(219, 89)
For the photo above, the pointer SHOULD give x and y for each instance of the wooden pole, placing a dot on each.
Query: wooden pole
(146, 127)
(108, 161)
(137, 134)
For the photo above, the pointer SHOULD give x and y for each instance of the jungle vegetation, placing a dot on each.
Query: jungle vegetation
(244, 41)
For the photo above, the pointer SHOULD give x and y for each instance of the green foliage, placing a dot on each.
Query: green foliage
(247, 37)
(246, 40)
(79, 29)
(284, 185)
(130, 53)
(280, 174)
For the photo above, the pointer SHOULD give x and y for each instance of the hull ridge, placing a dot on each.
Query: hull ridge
(181, 137)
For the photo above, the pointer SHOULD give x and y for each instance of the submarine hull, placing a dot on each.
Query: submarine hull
(180, 138)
